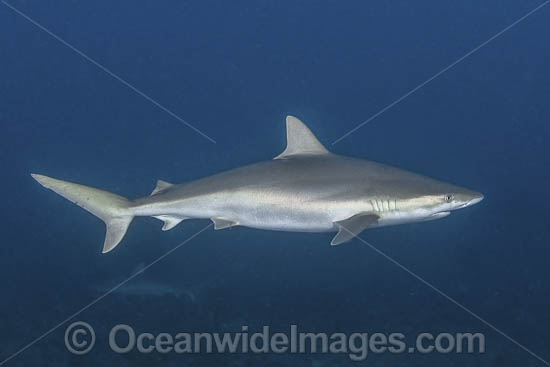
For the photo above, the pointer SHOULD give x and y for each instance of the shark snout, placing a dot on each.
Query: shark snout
(476, 199)
(469, 199)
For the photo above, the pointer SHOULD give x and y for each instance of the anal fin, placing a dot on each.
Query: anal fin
(221, 223)
(170, 221)
(351, 227)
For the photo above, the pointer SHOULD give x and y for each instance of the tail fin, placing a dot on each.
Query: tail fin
(114, 210)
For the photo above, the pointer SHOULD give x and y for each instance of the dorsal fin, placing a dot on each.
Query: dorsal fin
(300, 140)
(161, 186)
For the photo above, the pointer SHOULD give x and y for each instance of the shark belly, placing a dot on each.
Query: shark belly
(283, 208)
(281, 211)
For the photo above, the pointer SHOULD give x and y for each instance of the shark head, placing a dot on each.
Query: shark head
(399, 196)
(453, 198)
(432, 199)
(462, 198)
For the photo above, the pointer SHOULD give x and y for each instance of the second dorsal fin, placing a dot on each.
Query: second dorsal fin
(161, 186)
(300, 140)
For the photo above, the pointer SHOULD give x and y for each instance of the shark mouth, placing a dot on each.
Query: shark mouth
(469, 203)
(439, 215)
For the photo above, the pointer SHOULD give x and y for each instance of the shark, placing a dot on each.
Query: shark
(145, 288)
(150, 288)
(306, 188)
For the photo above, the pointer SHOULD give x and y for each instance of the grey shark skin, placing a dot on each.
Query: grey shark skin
(306, 188)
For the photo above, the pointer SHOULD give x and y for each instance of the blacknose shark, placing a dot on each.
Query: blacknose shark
(306, 188)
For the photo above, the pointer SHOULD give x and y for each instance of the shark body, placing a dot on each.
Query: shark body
(306, 188)
(146, 289)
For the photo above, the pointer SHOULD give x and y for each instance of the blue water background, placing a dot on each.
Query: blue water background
(234, 70)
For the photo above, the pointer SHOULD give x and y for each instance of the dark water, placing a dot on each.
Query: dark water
(234, 70)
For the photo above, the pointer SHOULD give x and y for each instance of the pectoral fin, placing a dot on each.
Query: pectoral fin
(220, 223)
(351, 227)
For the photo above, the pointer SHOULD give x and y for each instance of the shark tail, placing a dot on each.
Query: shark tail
(114, 210)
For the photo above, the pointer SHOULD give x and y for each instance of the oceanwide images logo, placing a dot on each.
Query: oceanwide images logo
(80, 339)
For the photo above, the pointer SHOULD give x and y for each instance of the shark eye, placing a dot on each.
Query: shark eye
(449, 198)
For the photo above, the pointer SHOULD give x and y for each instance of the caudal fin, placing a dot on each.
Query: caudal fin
(114, 210)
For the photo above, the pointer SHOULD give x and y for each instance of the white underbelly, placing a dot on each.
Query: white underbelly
(281, 215)
(287, 213)
(285, 220)
(396, 217)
